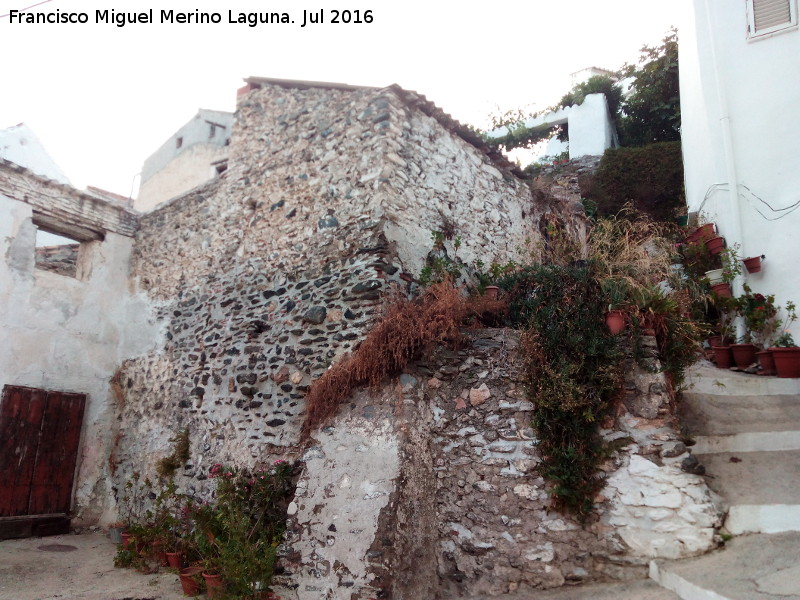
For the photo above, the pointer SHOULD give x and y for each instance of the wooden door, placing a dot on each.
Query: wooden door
(39, 437)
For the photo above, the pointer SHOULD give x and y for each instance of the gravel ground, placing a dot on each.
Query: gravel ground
(76, 567)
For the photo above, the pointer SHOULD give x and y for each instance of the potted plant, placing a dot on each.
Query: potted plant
(753, 264)
(785, 352)
(616, 292)
(721, 347)
(701, 234)
(758, 312)
(715, 244)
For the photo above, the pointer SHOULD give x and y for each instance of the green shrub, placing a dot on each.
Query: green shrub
(649, 177)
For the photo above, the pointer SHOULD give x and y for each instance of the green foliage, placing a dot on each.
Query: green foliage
(652, 112)
(759, 314)
(239, 533)
(651, 178)
(573, 372)
(124, 558)
(167, 466)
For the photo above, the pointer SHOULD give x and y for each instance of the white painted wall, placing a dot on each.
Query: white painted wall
(21, 146)
(71, 334)
(590, 129)
(740, 104)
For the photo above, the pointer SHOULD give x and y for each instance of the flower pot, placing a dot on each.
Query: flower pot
(115, 534)
(714, 276)
(744, 355)
(715, 245)
(723, 290)
(723, 356)
(766, 364)
(213, 583)
(615, 321)
(753, 264)
(787, 361)
(715, 340)
(700, 234)
(189, 583)
(492, 291)
(175, 559)
(126, 540)
(159, 554)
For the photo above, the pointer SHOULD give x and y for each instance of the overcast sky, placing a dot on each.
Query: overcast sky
(102, 98)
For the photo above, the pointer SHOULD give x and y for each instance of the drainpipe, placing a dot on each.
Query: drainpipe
(727, 143)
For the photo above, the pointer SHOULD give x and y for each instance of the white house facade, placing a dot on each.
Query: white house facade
(740, 105)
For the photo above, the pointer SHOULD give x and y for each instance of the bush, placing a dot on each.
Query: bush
(650, 177)
(572, 373)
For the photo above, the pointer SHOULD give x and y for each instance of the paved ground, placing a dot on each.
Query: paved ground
(31, 571)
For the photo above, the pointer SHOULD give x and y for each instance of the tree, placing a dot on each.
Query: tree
(652, 112)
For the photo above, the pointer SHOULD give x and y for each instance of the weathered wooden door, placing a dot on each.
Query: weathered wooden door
(39, 435)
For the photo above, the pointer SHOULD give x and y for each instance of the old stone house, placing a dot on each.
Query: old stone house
(216, 310)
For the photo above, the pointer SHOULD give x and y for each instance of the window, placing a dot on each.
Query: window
(64, 250)
(768, 16)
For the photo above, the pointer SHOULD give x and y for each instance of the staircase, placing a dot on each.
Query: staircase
(747, 434)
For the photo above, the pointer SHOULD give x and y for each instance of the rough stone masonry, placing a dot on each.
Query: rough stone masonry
(244, 290)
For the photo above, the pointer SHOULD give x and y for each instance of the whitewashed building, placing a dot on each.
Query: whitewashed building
(740, 105)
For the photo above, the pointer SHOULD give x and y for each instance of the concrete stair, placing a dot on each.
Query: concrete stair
(747, 434)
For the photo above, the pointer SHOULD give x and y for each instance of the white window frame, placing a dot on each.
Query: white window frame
(751, 21)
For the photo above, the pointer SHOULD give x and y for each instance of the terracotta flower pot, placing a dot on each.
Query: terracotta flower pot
(744, 355)
(213, 583)
(189, 583)
(492, 291)
(716, 244)
(700, 234)
(753, 264)
(175, 559)
(715, 340)
(126, 540)
(765, 362)
(615, 321)
(723, 356)
(787, 361)
(723, 290)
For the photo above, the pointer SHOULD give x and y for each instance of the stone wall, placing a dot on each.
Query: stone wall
(269, 274)
(430, 486)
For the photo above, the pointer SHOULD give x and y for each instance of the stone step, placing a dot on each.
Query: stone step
(629, 590)
(752, 567)
(755, 441)
(761, 489)
(706, 414)
(705, 378)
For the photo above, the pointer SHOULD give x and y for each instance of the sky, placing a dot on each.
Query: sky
(102, 98)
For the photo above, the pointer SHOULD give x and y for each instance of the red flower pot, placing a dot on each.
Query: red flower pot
(723, 356)
(715, 245)
(787, 361)
(175, 559)
(126, 539)
(615, 321)
(189, 583)
(723, 290)
(492, 291)
(766, 363)
(744, 355)
(700, 234)
(753, 264)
